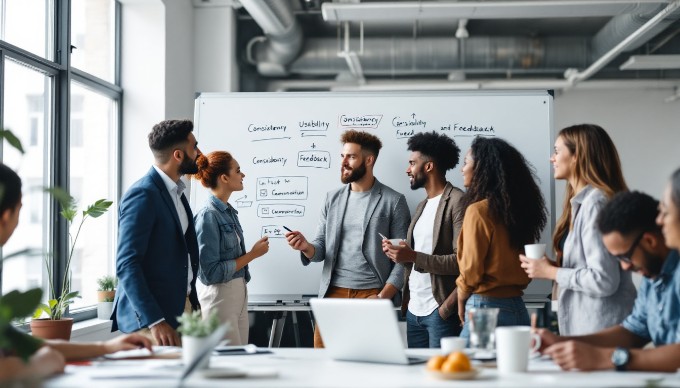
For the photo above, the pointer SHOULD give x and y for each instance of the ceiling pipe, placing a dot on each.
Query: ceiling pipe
(410, 11)
(573, 75)
(283, 38)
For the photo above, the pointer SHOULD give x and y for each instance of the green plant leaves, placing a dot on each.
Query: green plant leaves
(22, 344)
(98, 208)
(20, 304)
(66, 201)
(12, 140)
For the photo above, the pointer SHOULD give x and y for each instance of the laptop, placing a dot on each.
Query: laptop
(361, 330)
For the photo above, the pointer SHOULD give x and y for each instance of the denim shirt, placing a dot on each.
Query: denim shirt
(220, 243)
(656, 313)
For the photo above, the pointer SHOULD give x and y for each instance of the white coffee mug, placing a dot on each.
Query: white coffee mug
(513, 348)
(534, 251)
(452, 344)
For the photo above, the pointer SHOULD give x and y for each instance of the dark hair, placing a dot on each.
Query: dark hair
(211, 166)
(367, 141)
(629, 212)
(503, 176)
(168, 134)
(10, 188)
(675, 188)
(438, 147)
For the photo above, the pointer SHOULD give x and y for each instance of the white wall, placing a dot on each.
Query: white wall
(645, 130)
(171, 51)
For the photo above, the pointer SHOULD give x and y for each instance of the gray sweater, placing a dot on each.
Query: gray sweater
(595, 293)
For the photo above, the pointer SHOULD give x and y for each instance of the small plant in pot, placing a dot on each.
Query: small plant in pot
(195, 332)
(106, 292)
(54, 325)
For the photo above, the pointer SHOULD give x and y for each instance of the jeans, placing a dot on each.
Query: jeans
(512, 311)
(425, 332)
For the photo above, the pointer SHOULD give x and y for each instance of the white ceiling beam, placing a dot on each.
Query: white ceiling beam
(409, 11)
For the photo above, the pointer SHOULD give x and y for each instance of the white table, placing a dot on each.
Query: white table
(312, 368)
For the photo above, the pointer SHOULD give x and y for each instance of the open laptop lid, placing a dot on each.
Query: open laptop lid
(360, 330)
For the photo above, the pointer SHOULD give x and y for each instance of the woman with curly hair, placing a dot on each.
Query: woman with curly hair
(503, 210)
(223, 259)
(594, 292)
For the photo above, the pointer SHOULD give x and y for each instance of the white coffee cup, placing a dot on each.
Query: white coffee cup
(452, 344)
(534, 251)
(513, 348)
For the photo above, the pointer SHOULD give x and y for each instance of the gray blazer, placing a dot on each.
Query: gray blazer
(386, 213)
(595, 293)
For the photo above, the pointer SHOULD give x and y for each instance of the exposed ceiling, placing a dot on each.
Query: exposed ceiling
(381, 45)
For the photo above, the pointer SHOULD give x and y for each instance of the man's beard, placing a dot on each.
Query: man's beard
(418, 181)
(188, 166)
(652, 265)
(354, 175)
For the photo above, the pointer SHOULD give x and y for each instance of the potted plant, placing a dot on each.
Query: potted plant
(106, 292)
(54, 325)
(195, 331)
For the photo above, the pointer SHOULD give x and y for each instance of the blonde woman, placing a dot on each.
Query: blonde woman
(223, 260)
(594, 292)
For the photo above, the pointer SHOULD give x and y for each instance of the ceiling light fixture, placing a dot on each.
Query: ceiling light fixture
(651, 62)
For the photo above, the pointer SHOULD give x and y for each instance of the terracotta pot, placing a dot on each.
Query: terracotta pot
(52, 329)
(103, 295)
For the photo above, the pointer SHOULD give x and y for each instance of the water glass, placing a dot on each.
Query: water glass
(482, 324)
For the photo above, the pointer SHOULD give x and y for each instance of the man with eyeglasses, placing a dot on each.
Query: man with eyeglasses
(630, 233)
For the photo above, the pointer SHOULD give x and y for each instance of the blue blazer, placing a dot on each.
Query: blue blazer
(151, 261)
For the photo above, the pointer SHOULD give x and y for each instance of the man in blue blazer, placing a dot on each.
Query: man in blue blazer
(157, 256)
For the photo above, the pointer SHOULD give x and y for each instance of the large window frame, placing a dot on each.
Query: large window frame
(61, 74)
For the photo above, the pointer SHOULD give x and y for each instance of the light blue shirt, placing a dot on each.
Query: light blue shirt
(656, 313)
(220, 243)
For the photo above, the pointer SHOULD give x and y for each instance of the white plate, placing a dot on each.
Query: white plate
(453, 375)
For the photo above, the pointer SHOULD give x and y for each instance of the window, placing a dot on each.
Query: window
(92, 177)
(67, 121)
(92, 35)
(24, 23)
(23, 88)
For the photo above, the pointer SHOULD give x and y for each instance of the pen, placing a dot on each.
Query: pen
(383, 237)
(286, 228)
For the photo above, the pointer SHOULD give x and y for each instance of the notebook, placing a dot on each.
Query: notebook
(361, 330)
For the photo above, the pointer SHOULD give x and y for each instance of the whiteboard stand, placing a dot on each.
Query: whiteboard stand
(281, 309)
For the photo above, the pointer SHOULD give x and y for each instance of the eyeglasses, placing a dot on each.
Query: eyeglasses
(625, 257)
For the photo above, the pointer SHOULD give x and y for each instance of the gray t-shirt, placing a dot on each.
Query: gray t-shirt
(351, 268)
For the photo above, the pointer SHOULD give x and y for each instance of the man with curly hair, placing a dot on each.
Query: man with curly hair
(429, 252)
(348, 237)
(157, 257)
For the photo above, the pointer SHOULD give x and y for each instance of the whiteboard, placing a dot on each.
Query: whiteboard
(288, 146)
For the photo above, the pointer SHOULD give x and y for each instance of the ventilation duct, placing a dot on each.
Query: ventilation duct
(282, 42)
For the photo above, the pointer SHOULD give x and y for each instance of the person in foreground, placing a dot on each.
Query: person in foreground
(430, 267)
(592, 291)
(504, 210)
(52, 356)
(348, 238)
(630, 234)
(223, 260)
(157, 256)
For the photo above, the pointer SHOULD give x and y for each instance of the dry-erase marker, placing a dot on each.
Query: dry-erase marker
(383, 237)
(286, 228)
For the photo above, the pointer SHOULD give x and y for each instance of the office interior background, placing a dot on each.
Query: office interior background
(83, 81)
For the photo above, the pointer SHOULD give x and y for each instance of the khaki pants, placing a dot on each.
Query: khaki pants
(147, 333)
(230, 300)
(339, 292)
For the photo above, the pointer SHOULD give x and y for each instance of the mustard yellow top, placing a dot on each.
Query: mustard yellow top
(489, 266)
